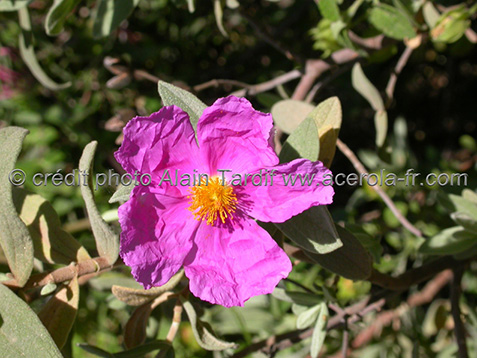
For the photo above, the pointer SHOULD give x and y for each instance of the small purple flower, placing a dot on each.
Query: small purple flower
(210, 229)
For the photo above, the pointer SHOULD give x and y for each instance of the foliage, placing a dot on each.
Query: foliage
(395, 80)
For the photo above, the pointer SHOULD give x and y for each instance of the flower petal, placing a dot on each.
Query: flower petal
(157, 233)
(277, 202)
(233, 136)
(164, 140)
(227, 266)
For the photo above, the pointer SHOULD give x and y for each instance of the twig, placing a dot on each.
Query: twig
(459, 328)
(63, 274)
(394, 75)
(383, 319)
(387, 200)
(471, 35)
(370, 43)
(176, 321)
(268, 85)
(345, 342)
(219, 82)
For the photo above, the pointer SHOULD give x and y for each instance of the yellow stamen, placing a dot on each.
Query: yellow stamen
(213, 201)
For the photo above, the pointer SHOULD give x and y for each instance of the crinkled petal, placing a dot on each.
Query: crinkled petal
(157, 234)
(163, 140)
(228, 266)
(233, 136)
(274, 201)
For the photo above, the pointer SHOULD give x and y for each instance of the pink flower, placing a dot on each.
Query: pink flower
(210, 229)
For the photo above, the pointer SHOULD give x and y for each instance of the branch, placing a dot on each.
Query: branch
(268, 85)
(385, 318)
(459, 328)
(176, 321)
(394, 75)
(63, 274)
(387, 200)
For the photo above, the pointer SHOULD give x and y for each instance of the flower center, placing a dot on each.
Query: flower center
(213, 201)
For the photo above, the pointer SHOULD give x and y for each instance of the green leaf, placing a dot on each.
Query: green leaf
(465, 221)
(27, 52)
(21, 332)
(351, 261)
(109, 14)
(138, 297)
(59, 313)
(299, 298)
(319, 331)
(327, 116)
(313, 230)
(51, 243)
(329, 9)
(57, 15)
(203, 332)
(15, 239)
(431, 15)
(289, 113)
(370, 243)
(469, 195)
(381, 125)
(172, 95)
(449, 241)
(460, 204)
(303, 142)
(451, 25)
(13, 5)
(392, 22)
(107, 242)
(307, 318)
(135, 329)
(122, 193)
(365, 88)
(47, 289)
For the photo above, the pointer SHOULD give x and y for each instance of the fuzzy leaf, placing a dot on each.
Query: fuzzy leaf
(313, 230)
(319, 332)
(122, 193)
(57, 15)
(51, 243)
(289, 113)
(15, 238)
(109, 14)
(137, 297)
(13, 5)
(202, 331)
(27, 53)
(21, 332)
(449, 241)
(173, 95)
(59, 313)
(107, 242)
(392, 22)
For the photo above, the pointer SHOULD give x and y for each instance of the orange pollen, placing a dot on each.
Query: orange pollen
(213, 201)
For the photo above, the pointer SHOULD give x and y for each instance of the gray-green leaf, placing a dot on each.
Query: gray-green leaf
(173, 95)
(202, 331)
(21, 332)
(329, 9)
(107, 241)
(289, 113)
(109, 14)
(313, 230)
(449, 241)
(57, 15)
(392, 22)
(15, 239)
(299, 298)
(13, 5)
(27, 53)
(122, 193)
(319, 332)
